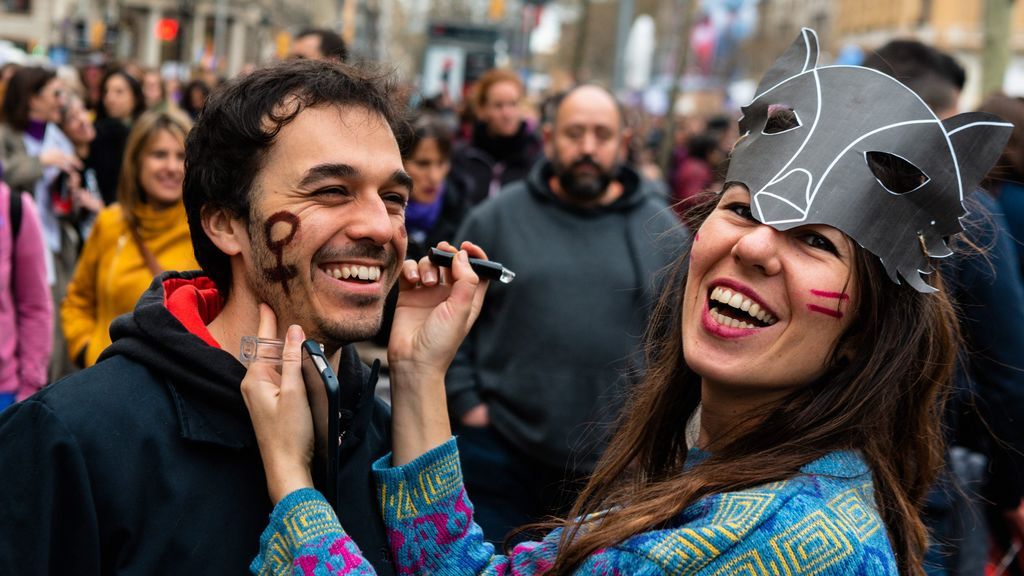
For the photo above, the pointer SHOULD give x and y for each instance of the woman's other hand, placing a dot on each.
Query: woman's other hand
(86, 200)
(280, 412)
(62, 160)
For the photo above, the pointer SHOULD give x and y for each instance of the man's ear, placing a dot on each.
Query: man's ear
(227, 232)
(625, 138)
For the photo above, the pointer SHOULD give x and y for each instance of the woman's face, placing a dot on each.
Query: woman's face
(77, 126)
(45, 105)
(501, 110)
(152, 88)
(197, 98)
(118, 98)
(162, 169)
(763, 309)
(428, 168)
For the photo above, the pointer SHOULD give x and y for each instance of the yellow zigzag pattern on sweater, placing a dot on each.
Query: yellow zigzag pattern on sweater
(433, 483)
(810, 545)
(306, 522)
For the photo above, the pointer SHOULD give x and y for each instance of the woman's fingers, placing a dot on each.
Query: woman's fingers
(409, 276)
(268, 323)
(291, 363)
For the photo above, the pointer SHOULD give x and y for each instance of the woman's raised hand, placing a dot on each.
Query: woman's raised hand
(433, 317)
(431, 320)
(280, 412)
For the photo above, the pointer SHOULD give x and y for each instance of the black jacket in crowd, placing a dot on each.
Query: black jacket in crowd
(490, 162)
(105, 154)
(147, 462)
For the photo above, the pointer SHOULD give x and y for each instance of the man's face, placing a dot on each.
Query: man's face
(307, 47)
(585, 143)
(327, 225)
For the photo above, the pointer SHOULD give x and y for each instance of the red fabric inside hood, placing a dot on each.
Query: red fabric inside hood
(195, 303)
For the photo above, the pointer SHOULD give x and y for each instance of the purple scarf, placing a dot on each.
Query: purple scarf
(420, 217)
(36, 129)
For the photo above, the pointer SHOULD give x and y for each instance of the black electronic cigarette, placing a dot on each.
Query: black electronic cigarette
(483, 268)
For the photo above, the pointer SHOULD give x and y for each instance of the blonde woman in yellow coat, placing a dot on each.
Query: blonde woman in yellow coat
(133, 240)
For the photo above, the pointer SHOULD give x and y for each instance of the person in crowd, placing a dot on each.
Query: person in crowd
(87, 200)
(587, 236)
(77, 213)
(696, 173)
(37, 157)
(1006, 181)
(503, 146)
(26, 311)
(438, 202)
(134, 240)
(116, 460)
(789, 417)
(319, 44)
(985, 466)
(439, 198)
(121, 103)
(193, 98)
(154, 91)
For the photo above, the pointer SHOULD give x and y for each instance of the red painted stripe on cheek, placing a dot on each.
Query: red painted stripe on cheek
(826, 311)
(836, 295)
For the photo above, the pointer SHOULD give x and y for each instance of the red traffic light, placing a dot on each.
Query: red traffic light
(167, 29)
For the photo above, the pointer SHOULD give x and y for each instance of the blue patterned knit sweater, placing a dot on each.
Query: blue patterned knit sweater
(821, 522)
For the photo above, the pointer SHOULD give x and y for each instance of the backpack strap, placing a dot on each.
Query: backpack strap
(14, 213)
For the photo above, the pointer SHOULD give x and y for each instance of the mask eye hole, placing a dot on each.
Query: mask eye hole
(897, 175)
(781, 118)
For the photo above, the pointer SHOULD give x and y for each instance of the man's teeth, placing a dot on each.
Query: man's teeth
(354, 272)
(739, 302)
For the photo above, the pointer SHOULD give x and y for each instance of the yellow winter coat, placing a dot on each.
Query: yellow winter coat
(112, 273)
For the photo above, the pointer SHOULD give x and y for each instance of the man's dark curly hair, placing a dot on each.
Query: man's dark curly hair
(231, 139)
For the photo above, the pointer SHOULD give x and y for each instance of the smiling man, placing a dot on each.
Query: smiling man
(147, 463)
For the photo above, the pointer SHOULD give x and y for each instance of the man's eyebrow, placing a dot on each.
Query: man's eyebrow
(401, 178)
(327, 171)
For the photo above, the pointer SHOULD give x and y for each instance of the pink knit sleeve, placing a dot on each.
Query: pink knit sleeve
(33, 303)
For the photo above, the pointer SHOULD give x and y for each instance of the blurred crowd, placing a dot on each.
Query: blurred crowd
(93, 161)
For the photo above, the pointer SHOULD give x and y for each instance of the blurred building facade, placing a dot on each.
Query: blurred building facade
(215, 34)
(953, 26)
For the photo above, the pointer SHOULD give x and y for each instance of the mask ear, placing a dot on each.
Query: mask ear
(978, 140)
(800, 57)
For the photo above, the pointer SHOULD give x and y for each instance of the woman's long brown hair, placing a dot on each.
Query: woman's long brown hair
(883, 395)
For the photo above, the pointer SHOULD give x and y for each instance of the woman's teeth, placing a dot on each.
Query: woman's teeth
(741, 303)
(371, 273)
(730, 322)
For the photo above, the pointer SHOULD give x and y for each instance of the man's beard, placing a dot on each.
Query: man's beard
(362, 316)
(585, 186)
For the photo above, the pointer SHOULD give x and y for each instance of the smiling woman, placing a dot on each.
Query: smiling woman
(133, 240)
(797, 363)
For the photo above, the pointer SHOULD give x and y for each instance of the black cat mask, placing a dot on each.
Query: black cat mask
(818, 172)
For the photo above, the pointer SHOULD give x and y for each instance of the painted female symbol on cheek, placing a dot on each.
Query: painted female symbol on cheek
(281, 273)
(833, 312)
